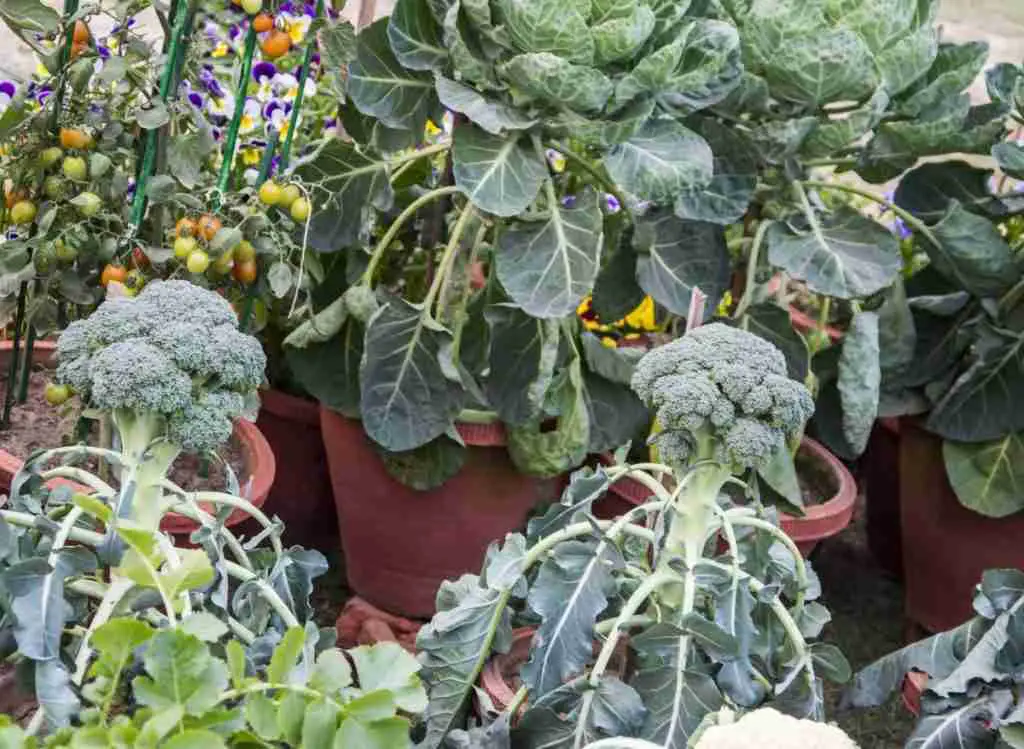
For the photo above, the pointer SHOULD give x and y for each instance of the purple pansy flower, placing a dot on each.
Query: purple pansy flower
(7, 91)
(263, 70)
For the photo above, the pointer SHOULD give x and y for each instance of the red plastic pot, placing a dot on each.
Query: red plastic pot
(819, 522)
(301, 493)
(254, 483)
(828, 518)
(946, 546)
(400, 544)
(881, 466)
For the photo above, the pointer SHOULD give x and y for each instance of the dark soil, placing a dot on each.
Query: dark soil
(817, 482)
(35, 425)
(867, 622)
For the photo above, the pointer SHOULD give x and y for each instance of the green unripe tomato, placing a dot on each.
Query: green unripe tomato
(198, 262)
(23, 212)
(289, 194)
(43, 259)
(184, 246)
(245, 252)
(252, 7)
(75, 168)
(57, 394)
(299, 210)
(53, 187)
(65, 253)
(50, 156)
(88, 203)
(223, 264)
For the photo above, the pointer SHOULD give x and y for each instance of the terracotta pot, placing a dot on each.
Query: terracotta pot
(254, 484)
(800, 319)
(880, 465)
(946, 546)
(301, 494)
(494, 679)
(819, 522)
(913, 685)
(828, 518)
(400, 544)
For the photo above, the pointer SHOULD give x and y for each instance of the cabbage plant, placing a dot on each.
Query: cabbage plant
(608, 148)
(972, 696)
(954, 342)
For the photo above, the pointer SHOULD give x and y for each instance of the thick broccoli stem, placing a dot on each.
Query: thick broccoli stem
(147, 457)
(692, 517)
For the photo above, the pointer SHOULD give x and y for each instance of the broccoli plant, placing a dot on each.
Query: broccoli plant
(194, 686)
(172, 370)
(715, 600)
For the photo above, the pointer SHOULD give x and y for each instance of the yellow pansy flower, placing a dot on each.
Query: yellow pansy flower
(221, 50)
(251, 156)
(642, 318)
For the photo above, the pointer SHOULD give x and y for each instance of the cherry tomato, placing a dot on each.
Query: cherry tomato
(65, 253)
(53, 187)
(113, 273)
(208, 226)
(77, 48)
(15, 196)
(75, 168)
(184, 246)
(43, 259)
(270, 193)
(185, 227)
(135, 281)
(262, 22)
(245, 252)
(222, 265)
(23, 212)
(244, 272)
(198, 262)
(81, 33)
(72, 138)
(276, 44)
(88, 203)
(139, 258)
(57, 394)
(299, 210)
(289, 194)
(50, 156)
(252, 7)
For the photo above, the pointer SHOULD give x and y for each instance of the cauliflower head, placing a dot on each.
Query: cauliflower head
(174, 351)
(723, 387)
(767, 728)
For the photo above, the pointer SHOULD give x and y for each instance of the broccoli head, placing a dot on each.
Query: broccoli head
(723, 394)
(171, 358)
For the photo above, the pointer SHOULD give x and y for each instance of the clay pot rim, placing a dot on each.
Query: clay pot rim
(474, 434)
(491, 679)
(261, 466)
(914, 684)
(831, 516)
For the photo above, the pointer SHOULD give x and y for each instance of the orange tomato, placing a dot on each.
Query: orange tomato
(113, 273)
(14, 196)
(77, 49)
(72, 138)
(263, 22)
(276, 43)
(208, 226)
(185, 227)
(81, 33)
(244, 272)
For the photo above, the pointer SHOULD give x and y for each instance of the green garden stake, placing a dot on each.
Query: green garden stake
(307, 62)
(12, 369)
(26, 363)
(180, 30)
(267, 164)
(231, 140)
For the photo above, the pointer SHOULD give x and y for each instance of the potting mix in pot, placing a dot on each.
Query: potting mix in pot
(573, 320)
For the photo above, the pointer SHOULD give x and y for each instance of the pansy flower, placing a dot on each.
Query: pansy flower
(295, 25)
(251, 115)
(195, 98)
(556, 160)
(220, 107)
(7, 91)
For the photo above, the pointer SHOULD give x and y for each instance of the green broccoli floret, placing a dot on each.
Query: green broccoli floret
(171, 355)
(721, 394)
